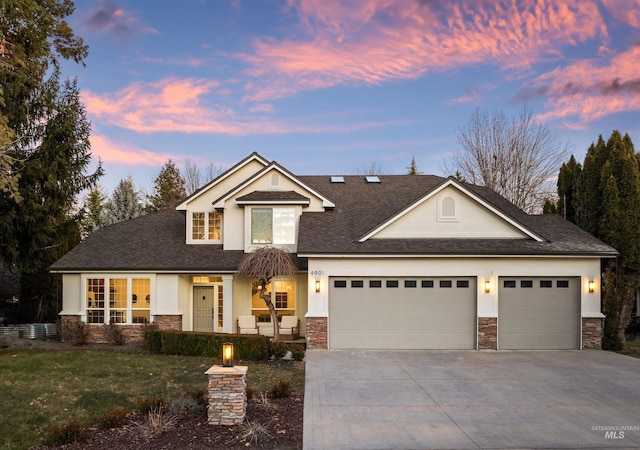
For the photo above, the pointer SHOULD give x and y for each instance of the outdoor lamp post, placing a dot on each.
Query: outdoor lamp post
(227, 354)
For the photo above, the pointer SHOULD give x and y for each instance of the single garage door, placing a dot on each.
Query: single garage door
(402, 313)
(538, 313)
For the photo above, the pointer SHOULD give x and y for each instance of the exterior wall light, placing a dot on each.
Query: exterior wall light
(592, 285)
(317, 285)
(227, 354)
(487, 286)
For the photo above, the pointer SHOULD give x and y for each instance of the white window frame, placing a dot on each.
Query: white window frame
(107, 307)
(206, 240)
(441, 209)
(249, 244)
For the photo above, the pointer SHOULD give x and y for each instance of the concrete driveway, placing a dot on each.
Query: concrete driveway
(469, 399)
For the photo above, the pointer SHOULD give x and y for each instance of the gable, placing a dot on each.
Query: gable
(201, 199)
(449, 212)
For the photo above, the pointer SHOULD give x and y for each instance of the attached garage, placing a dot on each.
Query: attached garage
(538, 313)
(402, 313)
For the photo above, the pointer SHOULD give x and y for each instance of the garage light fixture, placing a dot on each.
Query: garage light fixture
(227, 354)
(487, 286)
(317, 285)
(592, 285)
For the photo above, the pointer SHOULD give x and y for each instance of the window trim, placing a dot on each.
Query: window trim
(107, 308)
(249, 241)
(450, 202)
(207, 216)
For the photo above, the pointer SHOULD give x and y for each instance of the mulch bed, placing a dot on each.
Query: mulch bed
(276, 424)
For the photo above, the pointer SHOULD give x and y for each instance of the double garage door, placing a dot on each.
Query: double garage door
(440, 313)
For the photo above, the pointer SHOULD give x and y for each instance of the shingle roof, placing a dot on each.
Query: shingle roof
(362, 206)
(274, 196)
(156, 242)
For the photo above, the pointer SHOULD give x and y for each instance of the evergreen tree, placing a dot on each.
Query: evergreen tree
(567, 188)
(607, 205)
(169, 188)
(124, 204)
(91, 211)
(413, 168)
(44, 137)
(549, 207)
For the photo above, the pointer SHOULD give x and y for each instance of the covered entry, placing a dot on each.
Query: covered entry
(539, 313)
(402, 313)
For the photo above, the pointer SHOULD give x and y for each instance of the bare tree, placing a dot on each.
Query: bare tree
(264, 264)
(519, 158)
(192, 177)
(372, 169)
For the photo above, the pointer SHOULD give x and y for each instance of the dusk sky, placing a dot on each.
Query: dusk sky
(329, 87)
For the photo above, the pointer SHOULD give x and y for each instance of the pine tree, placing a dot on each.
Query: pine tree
(169, 188)
(92, 210)
(607, 205)
(124, 204)
(45, 148)
(567, 188)
(413, 168)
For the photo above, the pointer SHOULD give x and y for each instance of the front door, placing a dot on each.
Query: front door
(207, 308)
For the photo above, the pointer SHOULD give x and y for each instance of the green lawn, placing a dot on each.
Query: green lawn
(633, 348)
(42, 387)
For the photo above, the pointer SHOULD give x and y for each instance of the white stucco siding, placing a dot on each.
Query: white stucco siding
(482, 268)
(171, 290)
(470, 220)
(71, 295)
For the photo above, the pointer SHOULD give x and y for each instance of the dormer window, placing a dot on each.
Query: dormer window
(273, 226)
(206, 226)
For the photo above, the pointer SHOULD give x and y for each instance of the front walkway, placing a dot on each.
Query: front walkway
(470, 399)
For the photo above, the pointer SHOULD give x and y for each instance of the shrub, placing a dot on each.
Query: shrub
(186, 343)
(113, 418)
(75, 332)
(113, 333)
(146, 405)
(185, 407)
(157, 422)
(67, 433)
(297, 351)
(281, 389)
(152, 339)
(249, 392)
(279, 349)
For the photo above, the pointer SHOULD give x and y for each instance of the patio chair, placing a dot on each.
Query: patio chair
(289, 328)
(247, 325)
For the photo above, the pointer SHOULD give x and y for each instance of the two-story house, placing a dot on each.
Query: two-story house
(389, 261)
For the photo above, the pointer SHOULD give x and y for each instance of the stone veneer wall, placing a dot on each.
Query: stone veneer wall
(317, 333)
(592, 332)
(168, 322)
(227, 395)
(487, 333)
(96, 334)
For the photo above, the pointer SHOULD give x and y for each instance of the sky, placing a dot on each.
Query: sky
(334, 87)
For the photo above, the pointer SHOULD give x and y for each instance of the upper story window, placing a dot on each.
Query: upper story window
(206, 226)
(273, 226)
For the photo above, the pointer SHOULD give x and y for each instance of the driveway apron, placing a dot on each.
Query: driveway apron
(470, 399)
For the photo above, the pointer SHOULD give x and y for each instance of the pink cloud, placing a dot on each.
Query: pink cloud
(627, 11)
(124, 153)
(589, 89)
(368, 42)
(179, 105)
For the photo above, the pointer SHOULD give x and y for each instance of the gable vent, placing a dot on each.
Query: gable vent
(372, 179)
(337, 179)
